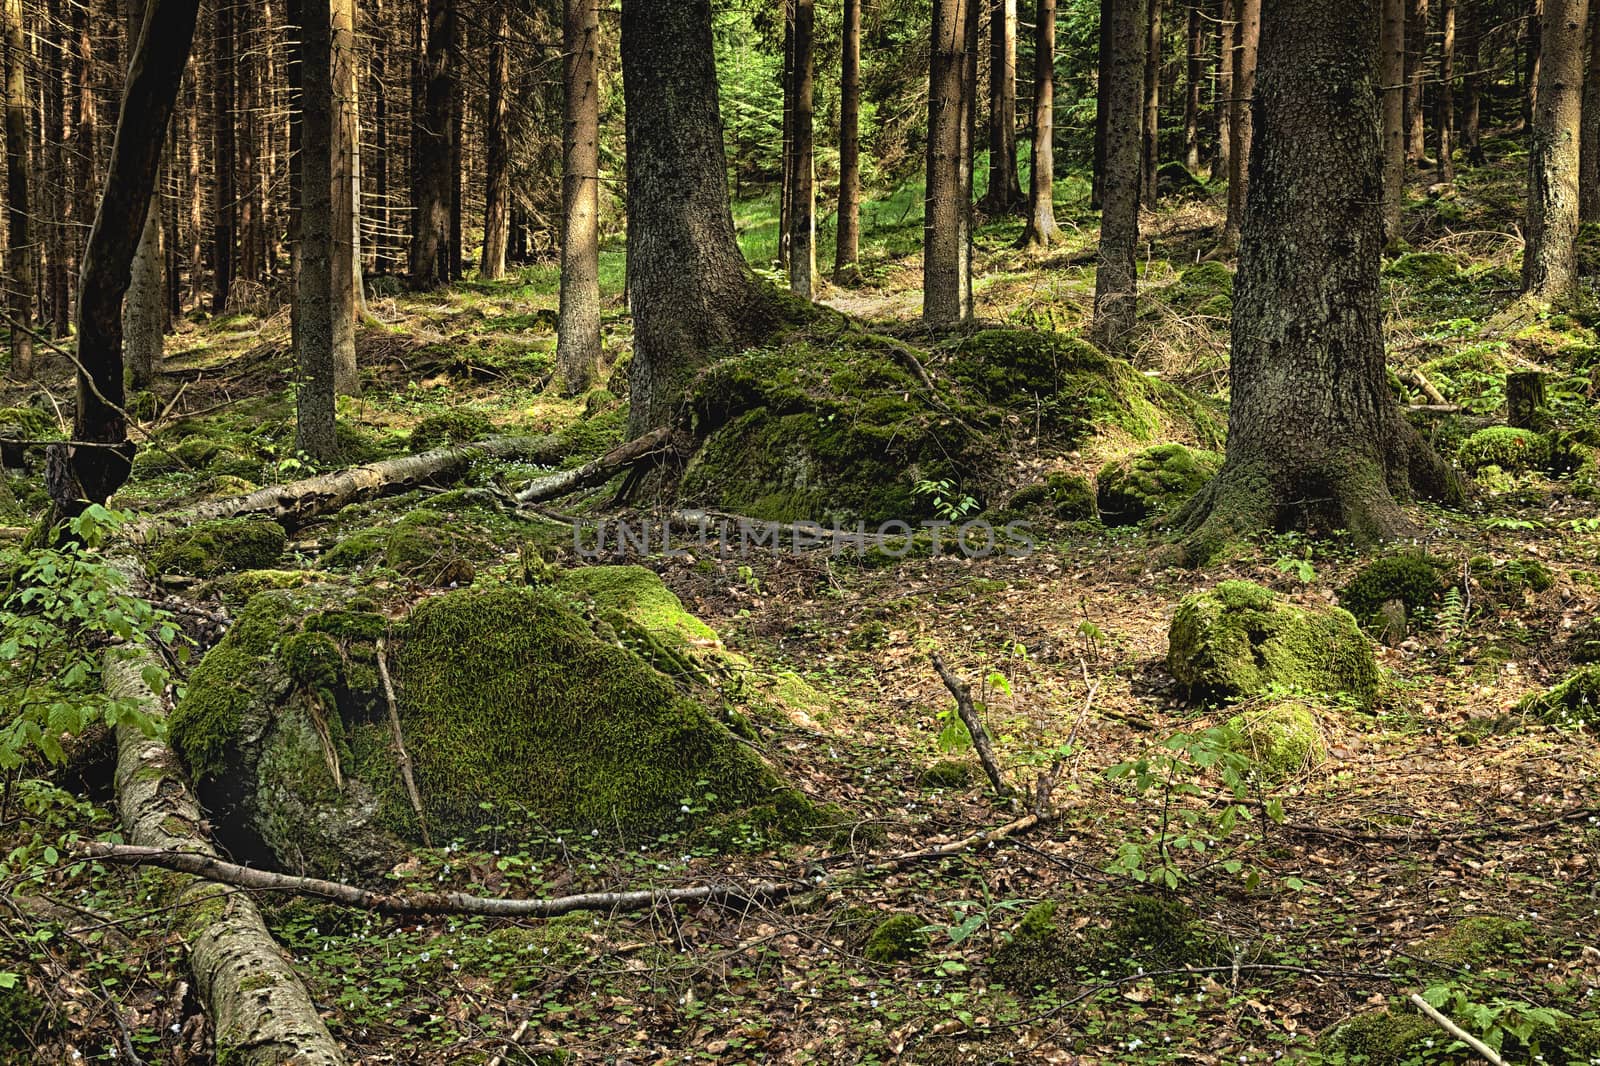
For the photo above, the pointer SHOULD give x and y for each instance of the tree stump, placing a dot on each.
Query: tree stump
(1525, 399)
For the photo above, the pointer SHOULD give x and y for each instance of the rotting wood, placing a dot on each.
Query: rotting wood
(654, 443)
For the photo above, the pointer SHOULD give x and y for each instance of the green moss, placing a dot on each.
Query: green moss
(1402, 1037)
(1152, 482)
(312, 660)
(640, 595)
(458, 426)
(25, 1022)
(896, 939)
(424, 545)
(1422, 267)
(1584, 644)
(1242, 640)
(947, 773)
(1418, 581)
(868, 636)
(1493, 479)
(1282, 740)
(210, 548)
(1474, 941)
(1510, 582)
(1507, 448)
(594, 435)
(1573, 701)
(1098, 937)
(1205, 289)
(28, 422)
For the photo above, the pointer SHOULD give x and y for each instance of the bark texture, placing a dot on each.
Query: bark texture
(1151, 150)
(1392, 79)
(946, 281)
(144, 316)
(1550, 257)
(497, 201)
(1589, 165)
(578, 329)
(847, 245)
(1004, 194)
(690, 290)
(19, 252)
(1315, 441)
(1116, 276)
(1445, 113)
(1227, 40)
(1241, 119)
(434, 149)
(345, 265)
(315, 426)
(1042, 228)
(1194, 76)
(1416, 69)
(803, 195)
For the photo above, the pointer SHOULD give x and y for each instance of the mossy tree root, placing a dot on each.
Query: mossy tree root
(260, 1011)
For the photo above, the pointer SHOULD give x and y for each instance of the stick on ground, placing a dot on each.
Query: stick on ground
(969, 716)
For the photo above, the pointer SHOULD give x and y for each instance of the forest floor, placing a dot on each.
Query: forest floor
(1436, 846)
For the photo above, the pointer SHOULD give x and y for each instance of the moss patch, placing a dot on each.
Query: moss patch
(1573, 701)
(1241, 639)
(896, 939)
(424, 545)
(1418, 581)
(1402, 1037)
(211, 548)
(1152, 482)
(947, 773)
(460, 426)
(1282, 739)
(1054, 945)
(1512, 450)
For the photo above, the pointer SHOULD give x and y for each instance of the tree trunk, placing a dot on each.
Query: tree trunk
(1589, 150)
(246, 88)
(1150, 151)
(1102, 105)
(691, 292)
(1392, 79)
(1194, 77)
(345, 164)
(497, 154)
(786, 173)
(1041, 229)
(1472, 106)
(315, 426)
(1241, 120)
(847, 245)
(578, 335)
(1445, 114)
(1550, 257)
(144, 313)
(803, 199)
(58, 271)
(1116, 277)
(1004, 194)
(432, 137)
(147, 105)
(195, 185)
(222, 184)
(946, 295)
(458, 121)
(1316, 441)
(1533, 61)
(383, 261)
(19, 245)
(1227, 41)
(1416, 68)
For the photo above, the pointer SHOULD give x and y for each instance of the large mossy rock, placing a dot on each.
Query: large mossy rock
(1152, 482)
(1240, 639)
(507, 697)
(843, 428)
(207, 549)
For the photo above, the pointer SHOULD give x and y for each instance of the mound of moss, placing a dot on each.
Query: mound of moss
(423, 545)
(1240, 639)
(1205, 289)
(1418, 581)
(1400, 1036)
(459, 426)
(1152, 482)
(947, 773)
(1282, 739)
(1573, 701)
(1053, 944)
(896, 939)
(507, 697)
(1584, 644)
(1474, 942)
(1069, 497)
(1512, 450)
(1510, 582)
(207, 549)
(1422, 267)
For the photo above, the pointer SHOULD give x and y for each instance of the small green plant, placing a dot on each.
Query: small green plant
(1298, 565)
(1496, 1019)
(949, 502)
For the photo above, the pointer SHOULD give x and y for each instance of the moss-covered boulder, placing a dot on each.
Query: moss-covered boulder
(1240, 639)
(1417, 581)
(1282, 739)
(947, 773)
(1152, 482)
(423, 545)
(1099, 937)
(1473, 942)
(207, 549)
(1205, 289)
(1573, 701)
(458, 426)
(1512, 450)
(507, 697)
(1069, 497)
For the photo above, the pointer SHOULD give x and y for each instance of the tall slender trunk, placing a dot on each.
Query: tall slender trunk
(945, 292)
(457, 167)
(1194, 77)
(1004, 194)
(1116, 277)
(345, 160)
(248, 84)
(1416, 69)
(1445, 113)
(1227, 41)
(19, 245)
(1392, 80)
(1041, 229)
(578, 343)
(223, 120)
(195, 183)
(1550, 257)
(1589, 178)
(430, 241)
(497, 156)
(144, 310)
(377, 207)
(57, 257)
(294, 75)
(786, 158)
(1472, 85)
(1102, 104)
(803, 200)
(1532, 61)
(315, 424)
(1241, 121)
(1151, 149)
(847, 244)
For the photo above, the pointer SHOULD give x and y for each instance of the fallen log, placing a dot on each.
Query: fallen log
(260, 1012)
(601, 470)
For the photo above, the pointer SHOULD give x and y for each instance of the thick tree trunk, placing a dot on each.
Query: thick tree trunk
(345, 168)
(19, 244)
(803, 197)
(434, 151)
(1392, 80)
(1445, 114)
(1589, 150)
(147, 105)
(1004, 194)
(1116, 278)
(497, 150)
(691, 292)
(1042, 229)
(1227, 41)
(1416, 68)
(1315, 441)
(578, 335)
(315, 426)
(224, 211)
(1194, 78)
(1550, 258)
(1150, 151)
(144, 313)
(946, 292)
(1241, 120)
(847, 245)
